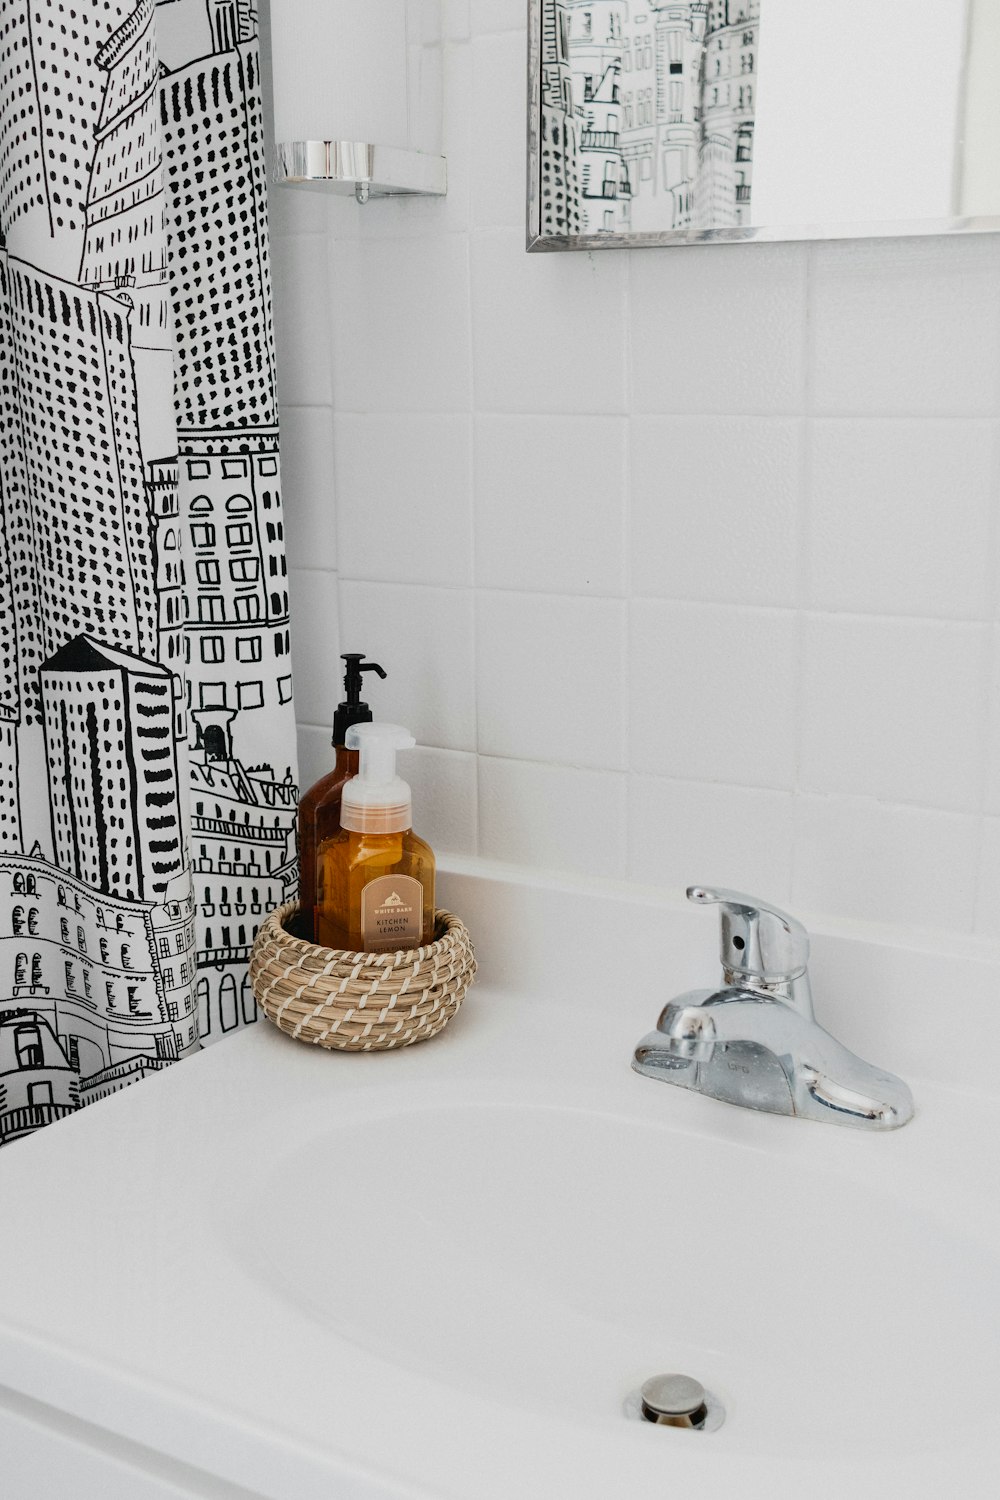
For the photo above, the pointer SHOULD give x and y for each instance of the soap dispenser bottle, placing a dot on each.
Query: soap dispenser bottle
(375, 875)
(319, 807)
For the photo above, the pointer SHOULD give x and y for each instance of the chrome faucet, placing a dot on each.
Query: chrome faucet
(755, 1042)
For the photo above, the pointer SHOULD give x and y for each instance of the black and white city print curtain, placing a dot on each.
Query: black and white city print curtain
(147, 759)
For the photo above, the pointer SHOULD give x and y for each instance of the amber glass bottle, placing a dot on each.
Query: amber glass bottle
(319, 807)
(355, 911)
(375, 876)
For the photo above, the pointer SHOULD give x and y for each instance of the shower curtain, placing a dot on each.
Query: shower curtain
(147, 754)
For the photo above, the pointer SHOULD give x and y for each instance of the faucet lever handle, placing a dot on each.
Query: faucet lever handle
(759, 942)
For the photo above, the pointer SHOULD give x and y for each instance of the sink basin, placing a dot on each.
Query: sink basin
(441, 1274)
(551, 1258)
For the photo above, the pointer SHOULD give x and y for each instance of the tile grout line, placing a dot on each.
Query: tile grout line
(473, 534)
(331, 250)
(964, 622)
(803, 516)
(991, 668)
(967, 815)
(627, 528)
(724, 414)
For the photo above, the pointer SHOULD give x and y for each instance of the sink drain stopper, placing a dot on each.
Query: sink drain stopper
(676, 1401)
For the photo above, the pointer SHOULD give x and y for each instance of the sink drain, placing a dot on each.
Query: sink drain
(676, 1401)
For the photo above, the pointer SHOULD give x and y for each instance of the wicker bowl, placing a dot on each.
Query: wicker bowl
(360, 1002)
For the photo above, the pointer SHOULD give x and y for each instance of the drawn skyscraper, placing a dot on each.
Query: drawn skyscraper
(164, 515)
(80, 545)
(10, 807)
(213, 135)
(559, 167)
(114, 789)
(728, 106)
(23, 169)
(232, 22)
(50, 99)
(125, 243)
(236, 631)
(10, 696)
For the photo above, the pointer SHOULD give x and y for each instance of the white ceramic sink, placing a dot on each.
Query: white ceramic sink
(442, 1272)
(551, 1257)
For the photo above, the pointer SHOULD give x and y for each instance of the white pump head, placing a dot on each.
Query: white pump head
(376, 800)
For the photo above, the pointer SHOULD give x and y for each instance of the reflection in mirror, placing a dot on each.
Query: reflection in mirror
(663, 121)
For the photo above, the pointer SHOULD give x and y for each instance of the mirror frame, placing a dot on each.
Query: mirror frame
(641, 239)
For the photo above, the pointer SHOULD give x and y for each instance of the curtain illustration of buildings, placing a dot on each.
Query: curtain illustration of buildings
(147, 762)
(647, 114)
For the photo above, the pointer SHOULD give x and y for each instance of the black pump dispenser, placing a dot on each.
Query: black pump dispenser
(352, 710)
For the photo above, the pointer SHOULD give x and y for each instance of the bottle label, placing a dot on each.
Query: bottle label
(392, 913)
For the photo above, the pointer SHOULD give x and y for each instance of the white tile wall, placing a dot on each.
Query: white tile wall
(993, 731)
(314, 608)
(677, 828)
(894, 709)
(456, 19)
(400, 316)
(712, 692)
(424, 638)
(547, 329)
(716, 330)
(445, 787)
(577, 817)
(403, 483)
(685, 563)
(989, 878)
(550, 678)
(908, 328)
(866, 859)
(497, 155)
(496, 15)
(307, 482)
(900, 515)
(302, 328)
(715, 508)
(533, 472)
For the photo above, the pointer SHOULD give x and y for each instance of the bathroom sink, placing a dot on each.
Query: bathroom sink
(445, 1272)
(550, 1257)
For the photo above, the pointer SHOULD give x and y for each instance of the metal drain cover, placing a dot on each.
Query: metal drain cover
(676, 1401)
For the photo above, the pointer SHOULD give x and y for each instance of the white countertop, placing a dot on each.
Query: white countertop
(157, 1286)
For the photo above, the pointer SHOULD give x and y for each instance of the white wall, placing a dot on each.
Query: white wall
(684, 563)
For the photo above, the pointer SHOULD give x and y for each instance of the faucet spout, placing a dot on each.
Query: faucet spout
(755, 1042)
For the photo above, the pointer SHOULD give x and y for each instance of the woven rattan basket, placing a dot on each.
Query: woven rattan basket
(360, 1002)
